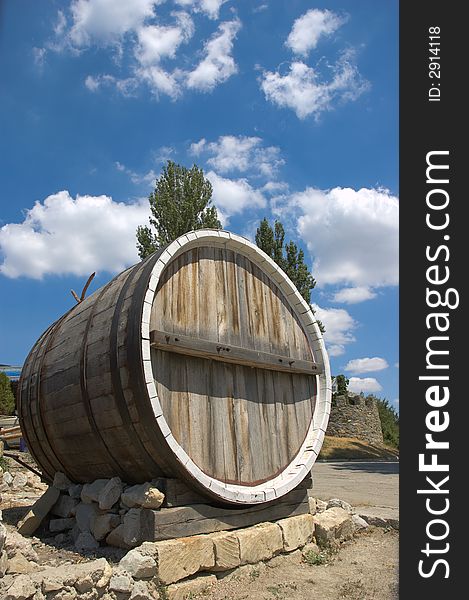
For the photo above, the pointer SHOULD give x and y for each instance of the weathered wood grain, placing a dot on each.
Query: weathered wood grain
(221, 351)
(168, 523)
(229, 397)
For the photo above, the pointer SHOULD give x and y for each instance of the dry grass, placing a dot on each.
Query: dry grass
(341, 448)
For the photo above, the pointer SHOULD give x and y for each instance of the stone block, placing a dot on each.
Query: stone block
(57, 525)
(19, 564)
(260, 542)
(121, 583)
(103, 524)
(359, 523)
(116, 538)
(321, 505)
(144, 495)
(90, 491)
(85, 514)
(132, 527)
(226, 547)
(61, 481)
(110, 493)
(74, 491)
(181, 557)
(64, 507)
(190, 588)
(33, 518)
(21, 588)
(333, 526)
(138, 565)
(296, 531)
(312, 505)
(334, 502)
(140, 591)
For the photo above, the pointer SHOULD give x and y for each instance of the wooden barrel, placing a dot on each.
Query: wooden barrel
(202, 362)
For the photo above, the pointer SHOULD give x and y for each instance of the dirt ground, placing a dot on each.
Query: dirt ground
(365, 568)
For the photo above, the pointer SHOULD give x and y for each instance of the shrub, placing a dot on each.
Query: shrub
(7, 399)
(389, 422)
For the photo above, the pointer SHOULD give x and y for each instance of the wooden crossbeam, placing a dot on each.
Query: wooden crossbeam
(182, 344)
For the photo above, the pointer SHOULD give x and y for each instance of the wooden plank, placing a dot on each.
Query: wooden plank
(212, 350)
(168, 523)
(14, 429)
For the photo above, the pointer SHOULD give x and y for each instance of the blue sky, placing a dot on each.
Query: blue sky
(290, 107)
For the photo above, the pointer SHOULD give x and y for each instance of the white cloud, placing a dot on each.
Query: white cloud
(93, 83)
(339, 326)
(156, 41)
(239, 153)
(163, 154)
(310, 27)
(218, 64)
(161, 81)
(336, 350)
(65, 235)
(232, 196)
(138, 178)
(271, 187)
(357, 366)
(141, 45)
(196, 148)
(39, 57)
(367, 385)
(105, 21)
(127, 87)
(61, 24)
(302, 89)
(209, 7)
(354, 295)
(352, 235)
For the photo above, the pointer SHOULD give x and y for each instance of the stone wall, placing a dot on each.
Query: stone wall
(355, 416)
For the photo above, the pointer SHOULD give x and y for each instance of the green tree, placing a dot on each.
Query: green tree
(180, 202)
(288, 257)
(342, 385)
(7, 399)
(389, 422)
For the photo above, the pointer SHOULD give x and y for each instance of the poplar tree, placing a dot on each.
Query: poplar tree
(288, 257)
(180, 202)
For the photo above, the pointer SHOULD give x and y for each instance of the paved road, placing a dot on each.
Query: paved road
(361, 484)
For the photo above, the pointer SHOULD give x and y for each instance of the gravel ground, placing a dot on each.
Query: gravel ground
(365, 568)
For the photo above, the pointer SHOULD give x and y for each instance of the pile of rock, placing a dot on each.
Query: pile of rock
(173, 569)
(20, 486)
(102, 512)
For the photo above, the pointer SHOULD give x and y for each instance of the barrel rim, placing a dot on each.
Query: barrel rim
(302, 463)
